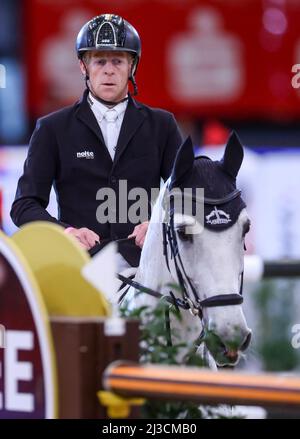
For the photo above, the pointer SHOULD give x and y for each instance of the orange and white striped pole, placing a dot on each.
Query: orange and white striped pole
(202, 385)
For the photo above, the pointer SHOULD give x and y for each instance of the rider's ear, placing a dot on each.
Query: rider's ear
(183, 163)
(233, 155)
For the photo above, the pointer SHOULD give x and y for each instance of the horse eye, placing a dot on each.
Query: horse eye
(187, 237)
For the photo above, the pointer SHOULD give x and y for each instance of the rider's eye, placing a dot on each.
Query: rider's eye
(187, 237)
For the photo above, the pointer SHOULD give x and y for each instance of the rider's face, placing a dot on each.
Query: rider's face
(108, 73)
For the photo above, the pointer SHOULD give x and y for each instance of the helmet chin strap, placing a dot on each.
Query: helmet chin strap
(135, 89)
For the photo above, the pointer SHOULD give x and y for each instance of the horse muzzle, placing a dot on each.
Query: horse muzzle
(227, 351)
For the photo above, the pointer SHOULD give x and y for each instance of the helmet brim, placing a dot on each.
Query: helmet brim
(107, 49)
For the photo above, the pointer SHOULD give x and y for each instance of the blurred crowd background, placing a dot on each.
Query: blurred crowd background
(217, 65)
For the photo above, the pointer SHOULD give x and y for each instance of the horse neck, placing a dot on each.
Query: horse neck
(153, 270)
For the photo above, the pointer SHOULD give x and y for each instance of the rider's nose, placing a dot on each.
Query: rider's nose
(108, 68)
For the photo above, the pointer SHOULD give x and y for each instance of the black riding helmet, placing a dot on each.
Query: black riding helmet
(110, 32)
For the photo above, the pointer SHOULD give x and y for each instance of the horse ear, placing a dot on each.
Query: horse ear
(233, 155)
(183, 163)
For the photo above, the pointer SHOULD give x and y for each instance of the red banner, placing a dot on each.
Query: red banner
(204, 58)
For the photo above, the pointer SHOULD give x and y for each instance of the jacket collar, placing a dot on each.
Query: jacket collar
(85, 114)
(100, 109)
(133, 118)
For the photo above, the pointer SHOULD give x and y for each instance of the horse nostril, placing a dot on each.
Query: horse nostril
(246, 342)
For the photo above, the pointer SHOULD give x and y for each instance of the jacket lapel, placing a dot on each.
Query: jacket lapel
(85, 114)
(133, 118)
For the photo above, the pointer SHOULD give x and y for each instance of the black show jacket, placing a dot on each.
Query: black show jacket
(67, 151)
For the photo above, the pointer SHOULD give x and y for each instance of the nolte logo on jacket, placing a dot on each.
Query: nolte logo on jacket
(85, 155)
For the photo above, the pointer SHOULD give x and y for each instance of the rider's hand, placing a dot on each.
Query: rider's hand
(139, 233)
(86, 237)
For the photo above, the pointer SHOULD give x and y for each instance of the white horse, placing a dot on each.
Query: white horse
(207, 262)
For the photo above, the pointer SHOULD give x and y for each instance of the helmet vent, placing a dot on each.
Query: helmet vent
(106, 35)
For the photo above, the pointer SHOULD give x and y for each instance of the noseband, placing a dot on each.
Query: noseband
(195, 304)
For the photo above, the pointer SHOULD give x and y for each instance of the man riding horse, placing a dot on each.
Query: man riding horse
(104, 138)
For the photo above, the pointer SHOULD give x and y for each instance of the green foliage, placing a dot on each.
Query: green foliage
(156, 349)
(154, 336)
(275, 310)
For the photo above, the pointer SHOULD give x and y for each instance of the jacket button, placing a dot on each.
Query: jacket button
(113, 179)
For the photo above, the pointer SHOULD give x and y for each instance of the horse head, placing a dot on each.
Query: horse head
(205, 255)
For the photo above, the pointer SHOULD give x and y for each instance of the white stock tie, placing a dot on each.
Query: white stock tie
(111, 131)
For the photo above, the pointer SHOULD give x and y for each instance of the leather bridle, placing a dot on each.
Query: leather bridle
(194, 304)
